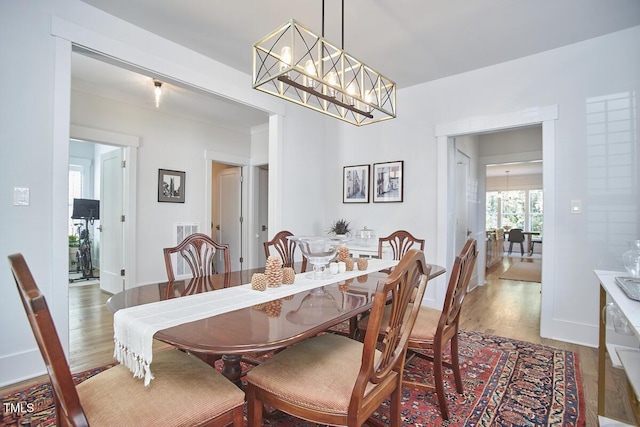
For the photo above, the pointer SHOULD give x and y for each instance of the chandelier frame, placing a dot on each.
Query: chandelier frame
(295, 64)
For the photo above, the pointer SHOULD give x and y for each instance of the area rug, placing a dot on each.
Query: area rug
(525, 271)
(506, 383)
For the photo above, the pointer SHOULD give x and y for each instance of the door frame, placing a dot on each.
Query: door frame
(247, 178)
(445, 134)
(223, 208)
(130, 156)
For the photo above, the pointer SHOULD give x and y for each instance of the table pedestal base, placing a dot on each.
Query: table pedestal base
(231, 368)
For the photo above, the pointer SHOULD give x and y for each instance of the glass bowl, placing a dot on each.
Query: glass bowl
(319, 251)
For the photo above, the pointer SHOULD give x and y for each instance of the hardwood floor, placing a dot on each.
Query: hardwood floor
(502, 307)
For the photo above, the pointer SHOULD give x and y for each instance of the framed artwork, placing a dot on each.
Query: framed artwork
(355, 184)
(387, 182)
(171, 186)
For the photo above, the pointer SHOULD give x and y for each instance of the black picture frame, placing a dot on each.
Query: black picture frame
(171, 186)
(355, 184)
(388, 182)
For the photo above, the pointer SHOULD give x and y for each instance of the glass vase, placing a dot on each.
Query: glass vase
(631, 258)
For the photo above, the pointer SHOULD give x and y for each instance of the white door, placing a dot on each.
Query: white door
(112, 232)
(263, 213)
(230, 207)
(464, 206)
(462, 228)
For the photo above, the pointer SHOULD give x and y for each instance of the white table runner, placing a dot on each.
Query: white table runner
(135, 327)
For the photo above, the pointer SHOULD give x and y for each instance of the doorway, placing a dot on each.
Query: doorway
(446, 134)
(227, 211)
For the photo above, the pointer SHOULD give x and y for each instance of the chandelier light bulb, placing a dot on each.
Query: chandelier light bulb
(370, 98)
(351, 91)
(332, 80)
(285, 57)
(310, 68)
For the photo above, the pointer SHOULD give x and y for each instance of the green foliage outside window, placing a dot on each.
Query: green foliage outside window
(512, 209)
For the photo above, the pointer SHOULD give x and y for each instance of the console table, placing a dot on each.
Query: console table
(495, 246)
(629, 357)
(369, 251)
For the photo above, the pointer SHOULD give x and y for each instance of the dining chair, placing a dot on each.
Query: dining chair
(434, 329)
(332, 379)
(185, 391)
(400, 242)
(198, 251)
(535, 240)
(516, 236)
(285, 248)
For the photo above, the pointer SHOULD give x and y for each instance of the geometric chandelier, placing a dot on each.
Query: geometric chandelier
(295, 64)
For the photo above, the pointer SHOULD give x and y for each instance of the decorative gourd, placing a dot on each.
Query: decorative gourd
(273, 270)
(349, 263)
(343, 253)
(288, 276)
(259, 281)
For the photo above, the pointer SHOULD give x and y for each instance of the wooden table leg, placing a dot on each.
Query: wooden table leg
(602, 350)
(231, 368)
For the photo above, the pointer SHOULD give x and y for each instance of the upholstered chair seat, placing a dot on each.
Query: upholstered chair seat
(290, 375)
(335, 380)
(184, 392)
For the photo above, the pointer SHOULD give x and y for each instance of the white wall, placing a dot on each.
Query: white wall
(597, 169)
(516, 182)
(260, 145)
(167, 142)
(34, 139)
(510, 142)
(311, 152)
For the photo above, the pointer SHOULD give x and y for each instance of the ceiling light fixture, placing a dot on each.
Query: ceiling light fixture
(295, 64)
(157, 92)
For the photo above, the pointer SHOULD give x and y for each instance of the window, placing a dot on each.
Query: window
(492, 208)
(76, 175)
(514, 209)
(535, 210)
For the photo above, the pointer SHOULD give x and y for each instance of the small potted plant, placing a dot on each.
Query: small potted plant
(339, 227)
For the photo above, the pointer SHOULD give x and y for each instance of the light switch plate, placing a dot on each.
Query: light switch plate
(20, 196)
(576, 206)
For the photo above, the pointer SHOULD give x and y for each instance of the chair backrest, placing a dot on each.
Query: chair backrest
(456, 290)
(198, 251)
(400, 242)
(407, 279)
(285, 248)
(515, 235)
(67, 403)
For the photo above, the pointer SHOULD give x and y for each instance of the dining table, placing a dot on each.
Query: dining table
(528, 236)
(273, 324)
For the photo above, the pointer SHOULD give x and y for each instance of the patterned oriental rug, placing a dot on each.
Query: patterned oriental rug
(506, 382)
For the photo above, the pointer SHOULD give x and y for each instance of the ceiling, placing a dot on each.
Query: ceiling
(409, 41)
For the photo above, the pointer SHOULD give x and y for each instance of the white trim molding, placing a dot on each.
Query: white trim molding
(445, 134)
